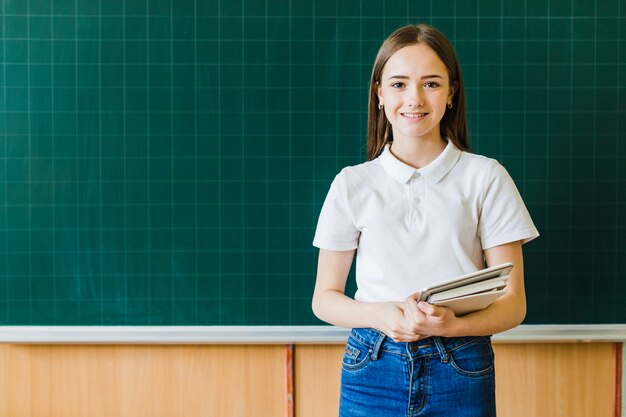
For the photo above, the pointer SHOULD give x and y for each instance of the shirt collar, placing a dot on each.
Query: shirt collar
(433, 172)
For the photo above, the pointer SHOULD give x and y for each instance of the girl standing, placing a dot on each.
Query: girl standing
(420, 211)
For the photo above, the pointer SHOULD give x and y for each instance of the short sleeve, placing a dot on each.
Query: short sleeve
(335, 227)
(503, 218)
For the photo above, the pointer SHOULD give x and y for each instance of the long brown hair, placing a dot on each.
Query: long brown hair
(454, 122)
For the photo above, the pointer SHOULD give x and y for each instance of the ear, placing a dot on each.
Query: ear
(379, 92)
(452, 90)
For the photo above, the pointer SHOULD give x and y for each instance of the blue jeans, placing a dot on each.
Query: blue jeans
(436, 376)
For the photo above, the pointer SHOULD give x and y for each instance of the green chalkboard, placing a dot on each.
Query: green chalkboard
(164, 162)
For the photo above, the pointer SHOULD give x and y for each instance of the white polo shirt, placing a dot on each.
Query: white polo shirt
(417, 227)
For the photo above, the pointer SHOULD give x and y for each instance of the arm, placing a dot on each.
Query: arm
(331, 305)
(505, 313)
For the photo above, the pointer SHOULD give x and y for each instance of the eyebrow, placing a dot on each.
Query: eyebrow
(405, 77)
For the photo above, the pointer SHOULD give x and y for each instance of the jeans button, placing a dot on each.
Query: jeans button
(413, 347)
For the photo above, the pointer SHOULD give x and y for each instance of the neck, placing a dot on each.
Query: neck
(417, 152)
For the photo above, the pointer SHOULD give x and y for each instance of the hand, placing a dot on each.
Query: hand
(428, 319)
(391, 320)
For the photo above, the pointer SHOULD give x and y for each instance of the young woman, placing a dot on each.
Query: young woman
(422, 210)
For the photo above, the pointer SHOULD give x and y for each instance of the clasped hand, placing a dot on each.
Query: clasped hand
(411, 320)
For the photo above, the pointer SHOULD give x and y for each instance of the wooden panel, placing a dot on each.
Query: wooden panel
(569, 380)
(542, 379)
(317, 377)
(185, 381)
(558, 380)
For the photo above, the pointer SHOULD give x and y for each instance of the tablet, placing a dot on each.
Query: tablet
(481, 275)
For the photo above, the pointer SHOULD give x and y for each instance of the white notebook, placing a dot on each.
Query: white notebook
(477, 287)
(471, 303)
(471, 292)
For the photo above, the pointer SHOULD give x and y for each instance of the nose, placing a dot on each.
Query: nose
(416, 96)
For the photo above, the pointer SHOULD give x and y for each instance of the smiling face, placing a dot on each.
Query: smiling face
(414, 89)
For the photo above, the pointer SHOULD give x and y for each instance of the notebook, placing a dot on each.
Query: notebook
(471, 292)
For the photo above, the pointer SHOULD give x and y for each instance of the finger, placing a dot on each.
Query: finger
(402, 335)
(411, 312)
(415, 296)
(434, 311)
(408, 324)
(401, 330)
(412, 337)
(415, 337)
(427, 309)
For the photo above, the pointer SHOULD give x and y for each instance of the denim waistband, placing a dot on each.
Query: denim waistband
(433, 345)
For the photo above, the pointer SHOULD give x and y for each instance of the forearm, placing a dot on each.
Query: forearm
(336, 308)
(504, 314)
(507, 311)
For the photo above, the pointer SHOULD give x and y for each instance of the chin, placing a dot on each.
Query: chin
(419, 135)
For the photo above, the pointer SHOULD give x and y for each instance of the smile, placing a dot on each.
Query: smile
(414, 115)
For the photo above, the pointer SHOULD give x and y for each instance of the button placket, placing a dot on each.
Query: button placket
(416, 200)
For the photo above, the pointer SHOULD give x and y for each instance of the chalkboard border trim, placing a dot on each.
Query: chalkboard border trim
(273, 334)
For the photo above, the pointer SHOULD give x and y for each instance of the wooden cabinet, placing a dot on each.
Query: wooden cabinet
(542, 379)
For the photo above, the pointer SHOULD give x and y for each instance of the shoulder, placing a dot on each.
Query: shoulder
(482, 173)
(475, 167)
(477, 163)
(356, 177)
(491, 168)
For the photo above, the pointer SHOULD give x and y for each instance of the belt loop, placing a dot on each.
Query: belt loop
(445, 357)
(377, 345)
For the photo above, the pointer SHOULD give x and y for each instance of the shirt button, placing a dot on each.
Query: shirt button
(416, 200)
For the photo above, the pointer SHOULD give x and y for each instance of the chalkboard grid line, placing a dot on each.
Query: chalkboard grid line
(266, 149)
(290, 131)
(341, 41)
(278, 182)
(148, 282)
(567, 256)
(546, 150)
(89, 66)
(54, 174)
(78, 202)
(172, 138)
(342, 112)
(617, 160)
(101, 162)
(313, 218)
(220, 314)
(28, 130)
(365, 81)
(402, 17)
(232, 228)
(594, 242)
(5, 257)
(243, 156)
(125, 162)
(524, 103)
(195, 144)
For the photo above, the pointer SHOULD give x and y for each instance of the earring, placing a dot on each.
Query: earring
(380, 106)
(450, 105)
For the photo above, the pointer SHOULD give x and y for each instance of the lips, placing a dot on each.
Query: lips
(414, 115)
